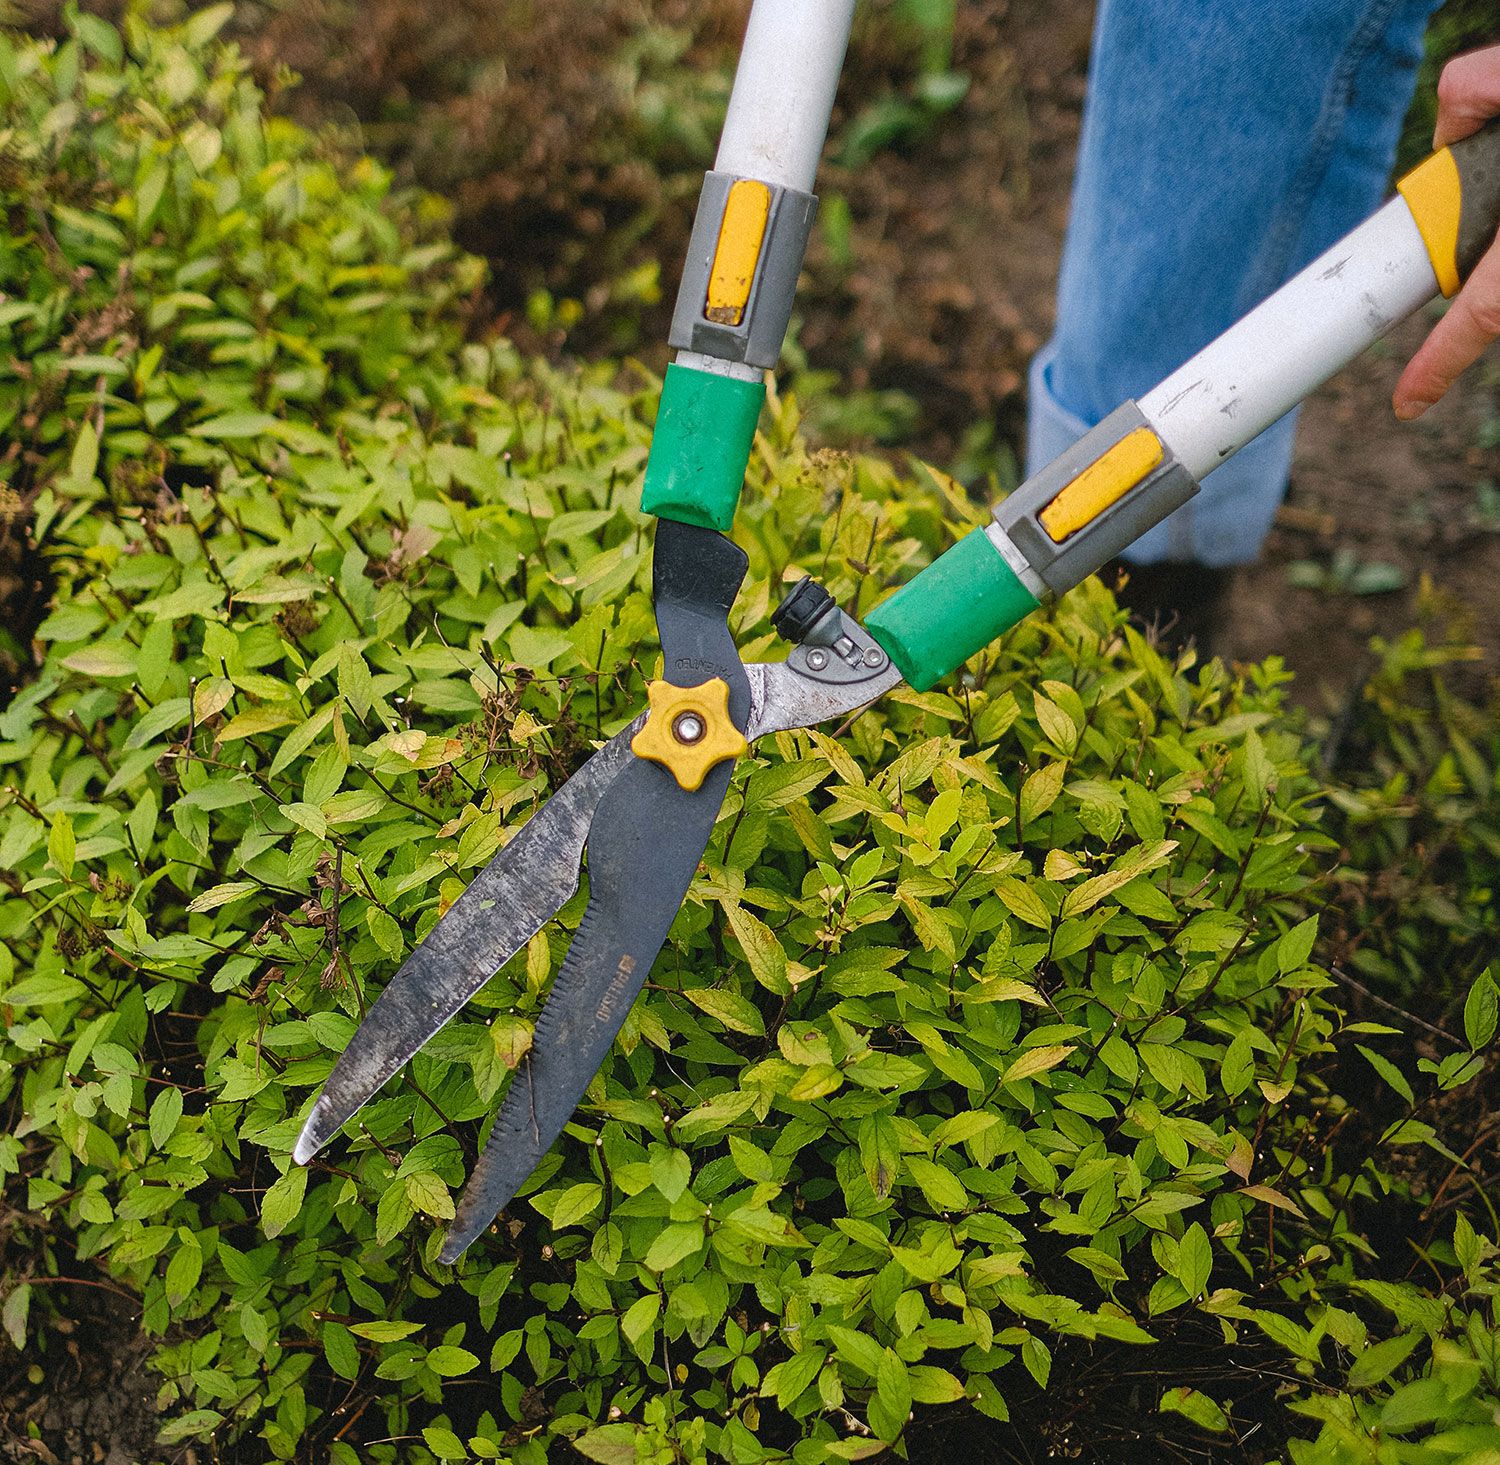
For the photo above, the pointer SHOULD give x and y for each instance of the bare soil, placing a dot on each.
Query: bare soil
(82, 1393)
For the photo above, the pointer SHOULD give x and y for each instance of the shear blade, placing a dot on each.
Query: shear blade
(647, 838)
(505, 905)
(512, 898)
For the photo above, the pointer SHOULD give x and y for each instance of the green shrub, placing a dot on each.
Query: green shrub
(1416, 805)
(1445, 1409)
(990, 1039)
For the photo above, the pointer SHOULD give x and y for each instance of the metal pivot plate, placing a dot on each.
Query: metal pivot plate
(647, 837)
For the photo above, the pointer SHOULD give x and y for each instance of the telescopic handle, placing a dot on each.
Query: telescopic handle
(754, 217)
(1146, 458)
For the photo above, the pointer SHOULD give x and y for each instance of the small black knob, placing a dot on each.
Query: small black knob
(804, 606)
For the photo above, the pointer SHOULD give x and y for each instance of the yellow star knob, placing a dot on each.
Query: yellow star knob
(688, 730)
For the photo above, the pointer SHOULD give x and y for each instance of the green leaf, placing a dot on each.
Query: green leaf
(762, 948)
(341, 1351)
(280, 1204)
(1389, 1072)
(856, 1348)
(1105, 1267)
(757, 1223)
(639, 1322)
(1260, 775)
(253, 1326)
(1468, 1247)
(1420, 1402)
(1378, 1363)
(444, 1443)
(387, 933)
(1195, 1260)
(1040, 791)
(1037, 1060)
(729, 1008)
(610, 1444)
(449, 1361)
(1238, 1068)
(930, 1385)
(61, 846)
(1120, 1058)
(428, 1194)
(219, 895)
(1023, 902)
(44, 991)
(674, 1244)
(254, 721)
(356, 686)
(891, 1403)
(939, 1185)
(13, 1315)
(85, 458)
(671, 1169)
(1086, 896)
(1198, 1408)
(1056, 725)
(166, 1111)
(879, 1152)
(537, 647)
(789, 1379)
(203, 25)
(1287, 1334)
(575, 1203)
(232, 425)
(383, 1330)
(1294, 948)
(1481, 1009)
(196, 1423)
(1273, 1198)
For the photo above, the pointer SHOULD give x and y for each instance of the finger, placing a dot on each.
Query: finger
(1455, 343)
(1468, 95)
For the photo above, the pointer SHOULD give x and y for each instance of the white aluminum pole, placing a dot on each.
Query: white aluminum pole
(1291, 343)
(783, 91)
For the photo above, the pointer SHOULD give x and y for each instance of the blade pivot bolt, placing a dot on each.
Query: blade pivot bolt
(689, 730)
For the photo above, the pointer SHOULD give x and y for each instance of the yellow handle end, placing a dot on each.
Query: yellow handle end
(1434, 193)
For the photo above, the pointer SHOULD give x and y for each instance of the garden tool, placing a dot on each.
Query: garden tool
(645, 804)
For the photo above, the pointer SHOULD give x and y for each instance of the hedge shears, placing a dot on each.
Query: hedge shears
(645, 804)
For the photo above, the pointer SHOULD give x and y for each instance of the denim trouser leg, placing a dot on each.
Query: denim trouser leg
(1225, 144)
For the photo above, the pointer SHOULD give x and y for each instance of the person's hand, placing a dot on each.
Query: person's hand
(1468, 96)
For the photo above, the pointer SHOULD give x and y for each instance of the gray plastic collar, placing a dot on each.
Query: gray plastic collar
(757, 339)
(1061, 566)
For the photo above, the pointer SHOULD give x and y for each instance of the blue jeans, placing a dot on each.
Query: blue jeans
(1226, 143)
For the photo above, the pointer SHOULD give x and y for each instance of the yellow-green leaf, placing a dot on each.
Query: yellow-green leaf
(1037, 1060)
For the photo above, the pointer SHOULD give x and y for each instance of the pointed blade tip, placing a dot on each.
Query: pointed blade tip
(316, 1132)
(454, 1246)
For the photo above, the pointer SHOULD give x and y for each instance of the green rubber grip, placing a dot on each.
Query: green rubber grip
(956, 606)
(705, 429)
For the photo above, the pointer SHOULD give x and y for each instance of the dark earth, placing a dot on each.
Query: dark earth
(943, 292)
